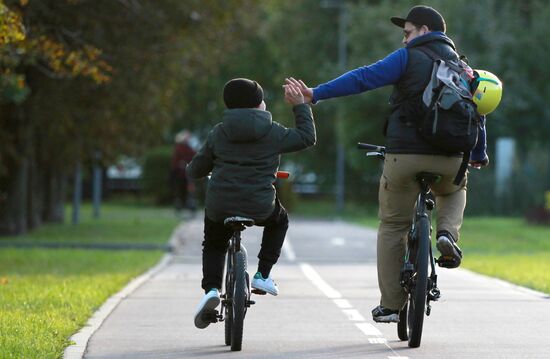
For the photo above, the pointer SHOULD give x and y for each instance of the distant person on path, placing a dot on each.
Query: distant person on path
(182, 187)
(242, 153)
(409, 70)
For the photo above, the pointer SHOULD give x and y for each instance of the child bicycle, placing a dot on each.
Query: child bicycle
(236, 298)
(420, 286)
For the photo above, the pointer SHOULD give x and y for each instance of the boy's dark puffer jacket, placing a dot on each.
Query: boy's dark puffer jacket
(243, 154)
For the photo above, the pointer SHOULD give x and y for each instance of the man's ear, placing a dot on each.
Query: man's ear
(425, 29)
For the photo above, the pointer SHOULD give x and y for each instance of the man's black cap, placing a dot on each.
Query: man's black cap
(422, 15)
(242, 93)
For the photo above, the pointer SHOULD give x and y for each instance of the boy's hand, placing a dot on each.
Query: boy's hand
(293, 95)
(306, 91)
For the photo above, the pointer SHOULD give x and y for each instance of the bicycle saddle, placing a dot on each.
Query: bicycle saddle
(238, 222)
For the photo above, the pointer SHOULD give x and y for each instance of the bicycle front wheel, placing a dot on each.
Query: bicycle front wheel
(239, 301)
(417, 300)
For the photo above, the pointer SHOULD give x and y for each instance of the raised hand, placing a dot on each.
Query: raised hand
(293, 95)
(306, 91)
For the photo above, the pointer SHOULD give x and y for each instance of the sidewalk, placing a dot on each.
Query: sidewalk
(89, 336)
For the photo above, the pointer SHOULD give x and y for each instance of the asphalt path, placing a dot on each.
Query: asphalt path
(328, 286)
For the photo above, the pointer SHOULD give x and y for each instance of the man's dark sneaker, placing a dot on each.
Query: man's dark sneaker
(451, 255)
(385, 315)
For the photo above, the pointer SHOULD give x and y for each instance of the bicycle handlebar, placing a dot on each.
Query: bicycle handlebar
(366, 146)
(374, 150)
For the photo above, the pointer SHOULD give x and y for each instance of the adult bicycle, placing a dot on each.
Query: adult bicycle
(420, 286)
(236, 295)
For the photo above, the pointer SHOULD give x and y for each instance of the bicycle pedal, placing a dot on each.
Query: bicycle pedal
(211, 316)
(434, 295)
(258, 291)
(447, 262)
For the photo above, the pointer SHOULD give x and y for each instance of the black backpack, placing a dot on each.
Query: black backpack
(449, 120)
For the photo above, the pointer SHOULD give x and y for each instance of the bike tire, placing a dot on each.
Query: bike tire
(417, 302)
(239, 301)
(402, 330)
(228, 297)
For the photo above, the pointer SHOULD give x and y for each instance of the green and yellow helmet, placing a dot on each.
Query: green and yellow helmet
(487, 91)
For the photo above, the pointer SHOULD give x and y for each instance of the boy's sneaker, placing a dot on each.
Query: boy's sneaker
(206, 310)
(264, 284)
(451, 255)
(385, 315)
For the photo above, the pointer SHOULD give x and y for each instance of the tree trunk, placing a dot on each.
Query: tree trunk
(54, 196)
(35, 198)
(13, 215)
(14, 184)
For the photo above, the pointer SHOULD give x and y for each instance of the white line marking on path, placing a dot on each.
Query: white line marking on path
(288, 250)
(368, 329)
(343, 303)
(374, 335)
(353, 314)
(338, 241)
(316, 279)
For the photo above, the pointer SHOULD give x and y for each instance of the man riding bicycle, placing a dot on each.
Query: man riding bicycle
(409, 70)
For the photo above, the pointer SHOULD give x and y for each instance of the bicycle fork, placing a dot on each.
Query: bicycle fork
(227, 301)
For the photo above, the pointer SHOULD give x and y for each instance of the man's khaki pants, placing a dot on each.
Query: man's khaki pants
(397, 194)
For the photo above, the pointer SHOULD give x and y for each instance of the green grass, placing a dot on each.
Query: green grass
(46, 295)
(118, 223)
(509, 249)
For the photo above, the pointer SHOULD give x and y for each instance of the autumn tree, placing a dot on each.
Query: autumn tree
(95, 76)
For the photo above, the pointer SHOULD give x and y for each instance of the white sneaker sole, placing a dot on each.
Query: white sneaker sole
(260, 287)
(209, 307)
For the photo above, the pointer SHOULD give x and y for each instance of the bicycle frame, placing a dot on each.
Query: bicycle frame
(236, 298)
(423, 207)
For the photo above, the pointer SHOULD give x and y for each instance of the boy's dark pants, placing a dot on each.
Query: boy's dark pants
(216, 242)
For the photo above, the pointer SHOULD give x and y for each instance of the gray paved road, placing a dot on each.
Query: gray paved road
(327, 279)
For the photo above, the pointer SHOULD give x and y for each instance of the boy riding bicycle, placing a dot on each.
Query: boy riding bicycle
(243, 154)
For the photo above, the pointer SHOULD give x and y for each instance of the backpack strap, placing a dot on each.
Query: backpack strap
(431, 54)
(435, 57)
(463, 167)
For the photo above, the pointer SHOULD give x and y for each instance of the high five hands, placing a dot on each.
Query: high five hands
(300, 86)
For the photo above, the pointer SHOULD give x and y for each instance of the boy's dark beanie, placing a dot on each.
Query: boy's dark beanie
(242, 93)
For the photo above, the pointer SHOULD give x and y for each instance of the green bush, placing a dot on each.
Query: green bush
(156, 174)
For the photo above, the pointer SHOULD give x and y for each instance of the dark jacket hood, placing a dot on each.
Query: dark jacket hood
(246, 124)
(432, 36)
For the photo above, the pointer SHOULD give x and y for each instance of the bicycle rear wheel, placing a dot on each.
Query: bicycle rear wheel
(228, 299)
(417, 299)
(402, 330)
(239, 301)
